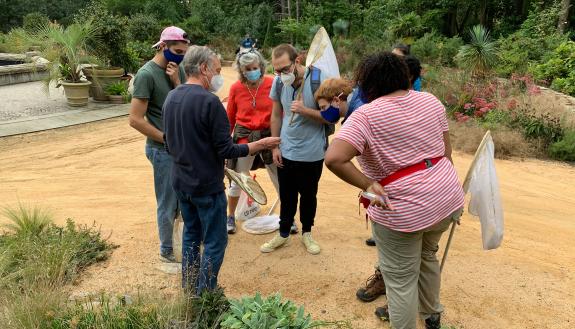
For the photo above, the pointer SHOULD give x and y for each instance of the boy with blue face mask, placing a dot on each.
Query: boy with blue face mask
(152, 84)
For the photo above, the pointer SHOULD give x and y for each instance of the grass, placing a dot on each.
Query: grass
(35, 251)
(38, 259)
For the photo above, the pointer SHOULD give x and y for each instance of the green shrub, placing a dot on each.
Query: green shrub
(33, 22)
(437, 50)
(564, 149)
(520, 51)
(37, 252)
(118, 88)
(544, 127)
(480, 55)
(496, 118)
(142, 50)
(195, 29)
(208, 310)
(272, 312)
(559, 70)
(144, 28)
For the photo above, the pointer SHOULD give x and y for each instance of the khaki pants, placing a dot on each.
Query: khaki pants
(411, 271)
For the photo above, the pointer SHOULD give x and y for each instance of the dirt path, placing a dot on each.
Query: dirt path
(98, 173)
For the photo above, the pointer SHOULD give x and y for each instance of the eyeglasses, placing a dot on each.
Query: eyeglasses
(284, 70)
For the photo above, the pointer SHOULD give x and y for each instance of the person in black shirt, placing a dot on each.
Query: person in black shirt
(197, 136)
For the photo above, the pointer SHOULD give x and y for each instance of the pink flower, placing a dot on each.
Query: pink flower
(463, 118)
(512, 104)
(468, 106)
(534, 90)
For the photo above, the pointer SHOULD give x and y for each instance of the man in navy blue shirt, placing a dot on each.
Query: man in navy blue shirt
(197, 136)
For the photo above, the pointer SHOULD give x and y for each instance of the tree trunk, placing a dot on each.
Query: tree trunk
(297, 10)
(283, 8)
(564, 16)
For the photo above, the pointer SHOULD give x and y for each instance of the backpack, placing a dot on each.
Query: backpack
(315, 83)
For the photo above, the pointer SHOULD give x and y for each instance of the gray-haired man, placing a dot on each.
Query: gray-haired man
(197, 135)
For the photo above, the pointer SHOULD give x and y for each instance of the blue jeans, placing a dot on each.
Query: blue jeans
(166, 199)
(204, 223)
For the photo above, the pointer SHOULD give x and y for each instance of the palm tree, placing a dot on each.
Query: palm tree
(67, 49)
(480, 55)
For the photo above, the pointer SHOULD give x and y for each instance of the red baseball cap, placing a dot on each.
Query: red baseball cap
(172, 33)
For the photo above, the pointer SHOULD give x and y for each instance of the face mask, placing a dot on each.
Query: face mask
(288, 78)
(171, 57)
(216, 83)
(254, 75)
(331, 114)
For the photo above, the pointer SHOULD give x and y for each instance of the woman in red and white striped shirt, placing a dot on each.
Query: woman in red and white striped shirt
(401, 139)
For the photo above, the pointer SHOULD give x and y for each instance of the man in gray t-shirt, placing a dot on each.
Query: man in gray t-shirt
(152, 84)
(297, 120)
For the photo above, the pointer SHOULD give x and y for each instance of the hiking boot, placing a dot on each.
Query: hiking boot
(433, 322)
(231, 225)
(293, 229)
(310, 245)
(168, 257)
(374, 288)
(382, 313)
(273, 244)
(370, 242)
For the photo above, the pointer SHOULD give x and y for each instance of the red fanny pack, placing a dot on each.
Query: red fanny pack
(425, 164)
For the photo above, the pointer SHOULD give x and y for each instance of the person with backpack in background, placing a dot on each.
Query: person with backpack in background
(303, 131)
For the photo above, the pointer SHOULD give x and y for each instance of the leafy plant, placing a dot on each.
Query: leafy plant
(119, 88)
(559, 70)
(480, 55)
(208, 310)
(67, 49)
(35, 21)
(436, 49)
(258, 313)
(564, 149)
(35, 252)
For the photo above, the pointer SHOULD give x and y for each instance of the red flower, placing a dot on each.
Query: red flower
(512, 104)
(534, 90)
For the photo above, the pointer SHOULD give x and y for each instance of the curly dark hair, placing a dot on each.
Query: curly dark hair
(414, 66)
(382, 74)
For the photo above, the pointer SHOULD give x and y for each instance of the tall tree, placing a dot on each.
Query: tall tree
(564, 16)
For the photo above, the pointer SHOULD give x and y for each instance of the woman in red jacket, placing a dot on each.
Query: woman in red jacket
(249, 110)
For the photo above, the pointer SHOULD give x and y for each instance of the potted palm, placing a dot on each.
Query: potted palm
(118, 92)
(67, 50)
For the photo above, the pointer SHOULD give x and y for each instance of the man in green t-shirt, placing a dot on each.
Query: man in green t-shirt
(151, 86)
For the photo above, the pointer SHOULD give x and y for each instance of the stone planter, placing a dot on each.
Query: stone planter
(117, 99)
(100, 79)
(77, 92)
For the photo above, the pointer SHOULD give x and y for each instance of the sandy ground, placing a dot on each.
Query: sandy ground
(98, 173)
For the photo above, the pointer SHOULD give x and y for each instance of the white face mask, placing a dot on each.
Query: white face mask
(216, 83)
(287, 78)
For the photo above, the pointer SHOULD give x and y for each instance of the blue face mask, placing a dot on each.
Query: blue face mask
(331, 114)
(171, 57)
(254, 75)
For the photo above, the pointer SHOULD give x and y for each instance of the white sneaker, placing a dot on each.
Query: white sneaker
(273, 244)
(310, 245)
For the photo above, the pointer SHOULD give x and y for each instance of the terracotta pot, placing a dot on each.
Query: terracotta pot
(102, 78)
(77, 92)
(117, 99)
